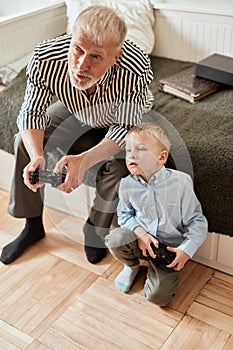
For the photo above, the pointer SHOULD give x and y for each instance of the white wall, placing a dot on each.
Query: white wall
(191, 30)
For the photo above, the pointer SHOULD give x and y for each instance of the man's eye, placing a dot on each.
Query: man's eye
(141, 149)
(96, 57)
(77, 50)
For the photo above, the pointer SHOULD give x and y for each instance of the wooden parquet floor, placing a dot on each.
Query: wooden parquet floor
(51, 298)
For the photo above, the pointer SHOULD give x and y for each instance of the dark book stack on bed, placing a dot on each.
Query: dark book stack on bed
(187, 86)
(205, 78)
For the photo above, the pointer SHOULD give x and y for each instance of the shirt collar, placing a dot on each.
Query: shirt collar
(157, 177)
(106, 76)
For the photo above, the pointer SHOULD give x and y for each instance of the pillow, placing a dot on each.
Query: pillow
(138, 16)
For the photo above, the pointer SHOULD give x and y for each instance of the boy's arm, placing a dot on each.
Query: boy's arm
(126, 218)
(196, 227)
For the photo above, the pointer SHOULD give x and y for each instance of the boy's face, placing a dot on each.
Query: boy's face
(144, 155)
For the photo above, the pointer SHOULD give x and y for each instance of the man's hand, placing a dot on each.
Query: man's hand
(75, 170)
(180, 259)
(77, 165)
(35, 163)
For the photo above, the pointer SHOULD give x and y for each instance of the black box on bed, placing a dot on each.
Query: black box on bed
(216, 67)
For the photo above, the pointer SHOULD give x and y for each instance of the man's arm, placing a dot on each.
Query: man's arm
(33, 142)
(77, 165)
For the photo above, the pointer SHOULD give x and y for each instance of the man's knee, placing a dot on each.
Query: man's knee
(115, 168)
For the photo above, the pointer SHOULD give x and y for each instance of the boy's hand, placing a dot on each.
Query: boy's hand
(145, 242)
(180, 259)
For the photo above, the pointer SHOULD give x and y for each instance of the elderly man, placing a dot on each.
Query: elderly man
(100, 80)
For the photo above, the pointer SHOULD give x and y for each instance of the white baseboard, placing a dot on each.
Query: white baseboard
(7, 165)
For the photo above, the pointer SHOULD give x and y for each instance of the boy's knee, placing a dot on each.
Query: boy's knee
(158, 298)
(119, 237)
(160, 289)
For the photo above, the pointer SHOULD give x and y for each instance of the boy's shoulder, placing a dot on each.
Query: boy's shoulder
(180, 177)
(178, 173)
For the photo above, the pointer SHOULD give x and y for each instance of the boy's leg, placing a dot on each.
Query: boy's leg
(161, 284)
(122, 244)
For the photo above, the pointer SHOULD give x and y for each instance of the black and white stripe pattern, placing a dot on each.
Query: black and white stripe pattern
(120, 99)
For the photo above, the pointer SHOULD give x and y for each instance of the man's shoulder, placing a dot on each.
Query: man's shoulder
(134, 59)
(54, 49)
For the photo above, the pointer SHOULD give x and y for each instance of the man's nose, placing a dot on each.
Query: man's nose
(83, 63)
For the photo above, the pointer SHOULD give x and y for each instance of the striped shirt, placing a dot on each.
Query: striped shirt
(121, 96)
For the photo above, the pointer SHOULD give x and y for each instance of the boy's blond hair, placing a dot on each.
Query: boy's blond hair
(160, 134)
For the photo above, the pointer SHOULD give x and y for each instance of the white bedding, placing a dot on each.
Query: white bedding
(138, 15)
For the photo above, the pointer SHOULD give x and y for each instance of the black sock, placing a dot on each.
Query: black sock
(32, 232)
(95, 248)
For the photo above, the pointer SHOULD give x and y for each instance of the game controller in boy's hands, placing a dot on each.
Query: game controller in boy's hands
(46, 176)
(163, 255)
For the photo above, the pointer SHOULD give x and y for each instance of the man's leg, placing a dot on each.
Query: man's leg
(103, 209)
(25, 203)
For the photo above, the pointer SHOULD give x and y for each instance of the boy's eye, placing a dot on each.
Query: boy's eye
(141, 149)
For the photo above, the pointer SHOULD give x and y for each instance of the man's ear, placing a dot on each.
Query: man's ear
(163, 156)
(118, 55)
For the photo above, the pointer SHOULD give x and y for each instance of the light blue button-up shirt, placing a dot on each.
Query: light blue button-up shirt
(166, 207)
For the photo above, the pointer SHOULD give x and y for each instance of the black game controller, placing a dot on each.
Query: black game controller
(163, 255)
(46, 176)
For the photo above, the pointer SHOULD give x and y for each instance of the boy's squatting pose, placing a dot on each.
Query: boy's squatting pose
(156, 204)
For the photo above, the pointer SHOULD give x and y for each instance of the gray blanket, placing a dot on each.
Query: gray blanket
(201, 135)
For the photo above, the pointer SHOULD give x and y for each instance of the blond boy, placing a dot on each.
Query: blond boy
(156, 204)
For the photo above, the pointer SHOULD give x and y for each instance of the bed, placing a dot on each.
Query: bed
(202, 144)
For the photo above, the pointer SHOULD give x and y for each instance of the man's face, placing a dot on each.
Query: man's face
(88, 62)
(143, 155)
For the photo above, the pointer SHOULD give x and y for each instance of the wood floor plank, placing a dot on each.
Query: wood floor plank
(11, 337)
(36, 345)
(223, 276)
(83, 327)
(195, 334)
(105, 318)
(40, 296)
(218, 294)
(192, 279)
(229, 344)
(131, 309)
(66, 241)
(212, 317)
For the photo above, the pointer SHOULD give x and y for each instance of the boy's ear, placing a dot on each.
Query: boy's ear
(163, 156)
